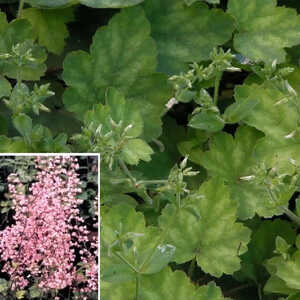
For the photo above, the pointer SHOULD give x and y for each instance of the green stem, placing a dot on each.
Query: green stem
(192, 267)
(291, 215)
(217, 86)
(125, 261)
(160, 145)
(259, 292)
(178, 199)
(126, 171)
(149, 182)
(162, 238)
(288, 212)
(148, 198)
(20, 9)
(137, 286)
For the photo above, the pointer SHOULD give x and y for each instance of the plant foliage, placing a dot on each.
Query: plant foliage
(194, 107)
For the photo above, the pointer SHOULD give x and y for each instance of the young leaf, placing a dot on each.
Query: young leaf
(286, 270)
(207, 120)
(5, 87)
(135, 150)
(237, 111)
(116, 62)
(25, 60)
(49, 26)
(23, 124)
(121, 111)
(259, 24)
(181, 32)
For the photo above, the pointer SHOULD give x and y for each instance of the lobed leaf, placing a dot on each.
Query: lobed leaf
(264, 30)
(270, 117)
(49, 26)
(184, 34)
(121, 52)
(216, 236)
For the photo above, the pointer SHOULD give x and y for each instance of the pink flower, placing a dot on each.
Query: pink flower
(48, 229)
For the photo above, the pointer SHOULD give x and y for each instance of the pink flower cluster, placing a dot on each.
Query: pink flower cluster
(49, 237)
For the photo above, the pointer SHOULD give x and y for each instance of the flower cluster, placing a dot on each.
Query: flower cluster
(49, 240)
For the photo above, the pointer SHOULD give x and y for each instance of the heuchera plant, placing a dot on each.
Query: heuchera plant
(194, 107)
(49, 247)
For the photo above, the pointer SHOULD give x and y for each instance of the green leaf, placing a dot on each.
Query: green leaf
(41, 140)
(110, 3)
(151, 102)
(161, 256)
(50, 26)
(261, 247)
(35, 292)
(141, 247)
(166, 157)
(181, 32)
(23, 124)
(20, 294)
(193, 144)
(190, 2)
(121, 111)
(51, 3)
(3, 286)
(176, 285)
(281, 245)
(120, 220)
(114, 191)
(114, 271)
(135, 150)
(280, 143)
(277, 285)
(5, 87)
(216, 236)
(232, 159)
(237, 111)
(168, 285)
(19, 33)
(264, 30)
(119, 61)
(286, 270)
(295, 296)
(91, 3)
(207, 120)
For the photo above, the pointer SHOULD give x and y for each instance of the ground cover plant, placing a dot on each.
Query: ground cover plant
(49, 227)
(194, 106)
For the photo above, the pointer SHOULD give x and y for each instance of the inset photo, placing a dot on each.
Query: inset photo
(49, 226)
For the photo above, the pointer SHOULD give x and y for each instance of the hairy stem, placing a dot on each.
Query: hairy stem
(178, 199)
(137, 286)
(126, 171)
(217, 86)
(125, 261)
(20, 9)
(149, 182)
(192, 267)
(291, 215)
